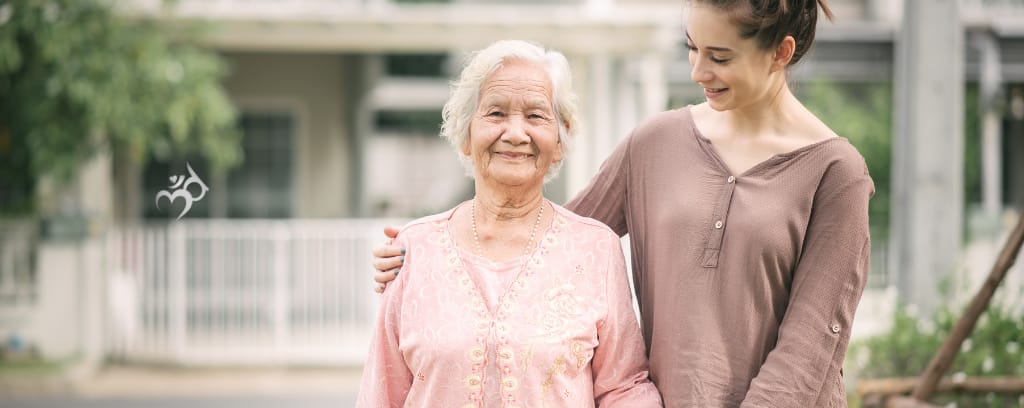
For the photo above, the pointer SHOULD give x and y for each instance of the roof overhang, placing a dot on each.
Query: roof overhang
(388, 27)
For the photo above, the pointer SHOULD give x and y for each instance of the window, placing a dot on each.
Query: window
(416, 65)
(18, 284)
(262, 186)
(413, 122)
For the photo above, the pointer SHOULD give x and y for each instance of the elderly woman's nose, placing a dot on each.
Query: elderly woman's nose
(516, 130)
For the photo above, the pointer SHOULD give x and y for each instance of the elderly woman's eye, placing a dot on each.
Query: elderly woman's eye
(496, 114)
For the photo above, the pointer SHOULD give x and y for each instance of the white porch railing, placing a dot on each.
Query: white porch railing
(239, 292)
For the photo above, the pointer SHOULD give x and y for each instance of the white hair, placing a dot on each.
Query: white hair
(462, 104)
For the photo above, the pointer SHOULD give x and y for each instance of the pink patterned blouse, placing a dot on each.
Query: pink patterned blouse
(552, 329)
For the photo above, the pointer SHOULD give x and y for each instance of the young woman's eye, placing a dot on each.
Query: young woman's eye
(719, 60)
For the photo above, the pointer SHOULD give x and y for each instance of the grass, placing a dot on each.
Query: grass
(34, 368)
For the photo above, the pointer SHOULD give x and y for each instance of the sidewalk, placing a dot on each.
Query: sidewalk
(157, 381)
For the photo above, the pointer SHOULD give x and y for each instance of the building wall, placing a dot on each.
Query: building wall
(312, 88)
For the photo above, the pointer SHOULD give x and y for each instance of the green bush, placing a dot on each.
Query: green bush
(994, 348)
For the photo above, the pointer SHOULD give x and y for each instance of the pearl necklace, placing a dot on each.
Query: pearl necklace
(533, 233)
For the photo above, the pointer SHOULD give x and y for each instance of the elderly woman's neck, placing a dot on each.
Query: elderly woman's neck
(507, 205)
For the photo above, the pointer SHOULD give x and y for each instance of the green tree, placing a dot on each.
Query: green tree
(76, 77)
(863, 114)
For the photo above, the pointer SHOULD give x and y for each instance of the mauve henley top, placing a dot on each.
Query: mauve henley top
(747, 283)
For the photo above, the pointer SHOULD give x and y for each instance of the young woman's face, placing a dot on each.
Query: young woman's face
(513, 137)
(733, 71)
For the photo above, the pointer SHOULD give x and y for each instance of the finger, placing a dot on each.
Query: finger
(388, 251)
(391, 232)
(387, 264)
(386, 276)
(380, 288)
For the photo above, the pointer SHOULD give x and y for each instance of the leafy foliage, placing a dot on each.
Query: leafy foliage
(861, 113)
(76, 78)
(993, 349)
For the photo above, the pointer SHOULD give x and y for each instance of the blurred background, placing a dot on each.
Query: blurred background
(313, 123)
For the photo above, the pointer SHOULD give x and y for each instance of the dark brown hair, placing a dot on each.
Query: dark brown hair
(769, 21)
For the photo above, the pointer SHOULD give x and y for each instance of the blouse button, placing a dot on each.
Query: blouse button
(730, 180)
(718, 224)
(835, 328)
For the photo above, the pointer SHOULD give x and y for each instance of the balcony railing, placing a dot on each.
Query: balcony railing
(975, 12)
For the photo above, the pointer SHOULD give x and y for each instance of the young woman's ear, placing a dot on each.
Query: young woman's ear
(784, 53)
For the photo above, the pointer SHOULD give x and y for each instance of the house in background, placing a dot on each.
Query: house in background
(340, 104)
(341, 100)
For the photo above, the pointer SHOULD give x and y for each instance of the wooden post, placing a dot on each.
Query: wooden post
(940, 363)
(899, 386)
(900, 401)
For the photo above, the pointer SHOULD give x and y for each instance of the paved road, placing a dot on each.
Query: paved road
(142, 387)
(319, 401)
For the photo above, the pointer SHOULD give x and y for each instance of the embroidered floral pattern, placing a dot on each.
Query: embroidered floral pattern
(495, 327)
(467, 332)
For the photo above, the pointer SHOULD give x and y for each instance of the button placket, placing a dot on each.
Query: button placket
(720, 217)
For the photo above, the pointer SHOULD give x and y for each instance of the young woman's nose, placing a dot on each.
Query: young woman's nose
(698, 72)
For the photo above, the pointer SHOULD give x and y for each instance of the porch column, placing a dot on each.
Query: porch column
(990, 93)
(927, 178)
(592, 77)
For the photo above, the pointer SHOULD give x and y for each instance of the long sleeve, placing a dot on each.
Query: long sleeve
(605, 198)
(804, 367)
(620, 364)
(386, 377)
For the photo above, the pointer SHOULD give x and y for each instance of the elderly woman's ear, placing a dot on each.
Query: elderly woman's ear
(466, 150)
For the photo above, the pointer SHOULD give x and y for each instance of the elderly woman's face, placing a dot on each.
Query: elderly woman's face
(513, 138)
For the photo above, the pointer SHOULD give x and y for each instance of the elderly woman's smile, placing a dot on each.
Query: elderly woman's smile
(515, 156)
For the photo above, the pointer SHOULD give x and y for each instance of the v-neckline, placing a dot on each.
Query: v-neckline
(770, 161)
(508, 294)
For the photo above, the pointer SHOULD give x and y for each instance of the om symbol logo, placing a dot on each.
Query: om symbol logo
(181, 184)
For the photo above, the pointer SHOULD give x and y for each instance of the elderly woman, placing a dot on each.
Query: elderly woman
(508, 299)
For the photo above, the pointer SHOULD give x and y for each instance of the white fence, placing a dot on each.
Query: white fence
(240, 292)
